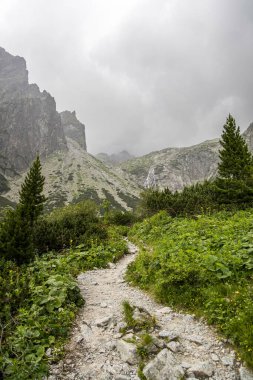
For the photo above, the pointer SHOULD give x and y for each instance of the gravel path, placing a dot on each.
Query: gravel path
(93, 354)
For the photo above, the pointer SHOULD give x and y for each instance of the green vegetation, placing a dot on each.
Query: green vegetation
(203, 265)
(69, 226)
(231, 190)
(234, 183)
(39, 296)
(17, 229)
(191, 200)
(38, 303)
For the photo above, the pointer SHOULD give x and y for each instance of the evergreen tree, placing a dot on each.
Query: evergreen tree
(235, 157)
(30, 197)
(16, 232)
(234, 183)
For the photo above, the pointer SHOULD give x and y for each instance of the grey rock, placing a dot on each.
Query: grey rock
(195, 339)
(174, 346)
(163, 367)
(73, 128)
(49, 352)
(228, 360)
(127, 352)
(103, 322)
(168, 334)
(202, 370)
(215, 357)
(122, 377)
(164, 310)
(245, 374)
(29, 123)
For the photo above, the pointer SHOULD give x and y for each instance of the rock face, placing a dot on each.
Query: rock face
(74, 175)
(175, 167)
(30, 125)
(73, 128)
(29, 122)
(178, 167)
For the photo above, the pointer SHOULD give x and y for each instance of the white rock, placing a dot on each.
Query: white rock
(227, 360)
(174, 346)
(168, 334)
(202, 370)
(122, 377)
(195, 339)
(164, 310)
(127, 352)
(103, 322)
(163, 367)
(215, 357)
(245, 374)
(103, 305)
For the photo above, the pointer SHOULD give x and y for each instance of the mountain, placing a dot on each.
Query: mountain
(74, 175)
(178, 167)
(29, 122)
(115, 158)
(31, 125)
(73, 128)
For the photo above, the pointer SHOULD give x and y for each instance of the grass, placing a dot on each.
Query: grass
(202, 265)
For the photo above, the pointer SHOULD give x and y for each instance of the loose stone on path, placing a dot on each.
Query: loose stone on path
(183, 347)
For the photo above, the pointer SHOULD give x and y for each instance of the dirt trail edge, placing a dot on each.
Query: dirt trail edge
(188, 348)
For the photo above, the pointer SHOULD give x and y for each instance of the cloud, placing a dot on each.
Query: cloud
(142, 75)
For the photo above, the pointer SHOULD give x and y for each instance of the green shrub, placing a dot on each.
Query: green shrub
(38, 304)
(202, 265)
(69, 226)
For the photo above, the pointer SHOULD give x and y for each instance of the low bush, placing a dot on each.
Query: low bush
(69, 226)
(38, 303)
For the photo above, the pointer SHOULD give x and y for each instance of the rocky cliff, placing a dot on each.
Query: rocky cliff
(178, 167)
(175, 167)
(30, 125)
(73, 128)
(29, 122)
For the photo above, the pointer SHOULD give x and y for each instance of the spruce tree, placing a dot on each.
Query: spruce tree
(16, 233)
(235, 157)
(234, 183)
(30, 197)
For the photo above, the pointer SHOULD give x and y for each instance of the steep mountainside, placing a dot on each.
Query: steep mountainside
(73, 128)
(29, 122)
(175, 167)
(74, 175)
(30, 125)
(178, 167)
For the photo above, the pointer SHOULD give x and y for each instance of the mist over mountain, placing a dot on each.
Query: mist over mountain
(31, 125)
(114, 158)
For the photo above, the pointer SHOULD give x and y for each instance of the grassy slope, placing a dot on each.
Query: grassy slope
(202, 265)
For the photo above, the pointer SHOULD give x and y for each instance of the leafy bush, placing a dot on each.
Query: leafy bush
(38, 303)
(203, 265)
(69, 226)
(192, 200)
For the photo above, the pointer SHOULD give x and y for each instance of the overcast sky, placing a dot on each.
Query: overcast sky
(142, 75)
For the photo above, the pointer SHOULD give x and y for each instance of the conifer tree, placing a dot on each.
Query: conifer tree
(235, 157)
(31, 198)
(234, 183)
(16, 233)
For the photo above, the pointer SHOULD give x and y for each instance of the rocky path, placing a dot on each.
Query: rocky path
(182, 348)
